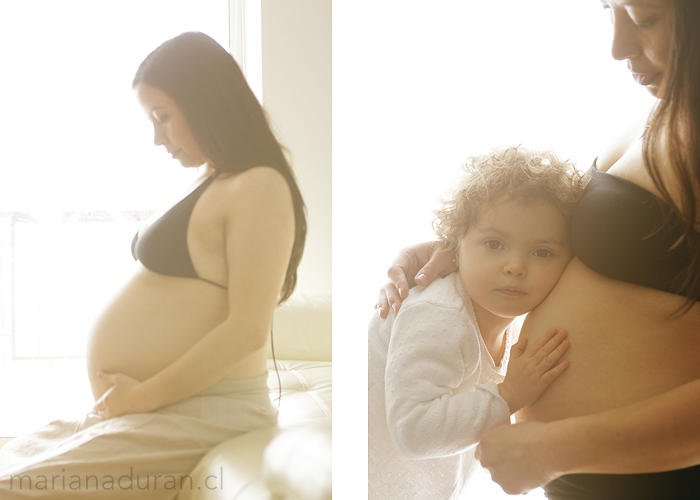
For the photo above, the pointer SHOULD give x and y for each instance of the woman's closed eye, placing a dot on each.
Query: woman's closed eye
(160, 118)
(644, 25)
(637, 20)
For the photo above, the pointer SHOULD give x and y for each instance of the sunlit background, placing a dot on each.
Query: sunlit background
(79, 173)
(418, 87)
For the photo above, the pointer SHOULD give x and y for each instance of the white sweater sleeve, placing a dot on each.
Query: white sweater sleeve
(431, 353)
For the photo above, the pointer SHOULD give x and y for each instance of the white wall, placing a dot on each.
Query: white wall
(296, 88)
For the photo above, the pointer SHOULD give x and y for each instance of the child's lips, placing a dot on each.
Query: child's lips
(511, 291)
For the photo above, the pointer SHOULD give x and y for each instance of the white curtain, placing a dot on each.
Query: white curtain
(246, 40)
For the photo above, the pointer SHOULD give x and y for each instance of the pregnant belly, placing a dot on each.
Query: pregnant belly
(149, 324)
(625, 344)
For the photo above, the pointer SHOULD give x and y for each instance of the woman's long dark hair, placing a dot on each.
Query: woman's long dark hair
(226, 120)
(674, 132)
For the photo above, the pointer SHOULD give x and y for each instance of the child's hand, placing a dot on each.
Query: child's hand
(531, 370)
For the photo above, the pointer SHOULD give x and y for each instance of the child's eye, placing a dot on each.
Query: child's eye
(542, 252)
(494, 244)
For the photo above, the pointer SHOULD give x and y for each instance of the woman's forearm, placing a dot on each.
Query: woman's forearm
(657, 434)
(205, 363)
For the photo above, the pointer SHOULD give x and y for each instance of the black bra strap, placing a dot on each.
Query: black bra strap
(213, 283)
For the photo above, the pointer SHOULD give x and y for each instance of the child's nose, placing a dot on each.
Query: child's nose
(515, 267)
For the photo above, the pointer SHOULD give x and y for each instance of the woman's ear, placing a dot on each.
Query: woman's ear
(455, 256)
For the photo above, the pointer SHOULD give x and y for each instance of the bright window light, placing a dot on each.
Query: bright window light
(79, 173)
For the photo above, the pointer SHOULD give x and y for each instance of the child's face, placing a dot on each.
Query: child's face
(513, 256)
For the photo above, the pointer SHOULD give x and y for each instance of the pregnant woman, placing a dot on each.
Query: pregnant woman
(177, 361)
(624, 421)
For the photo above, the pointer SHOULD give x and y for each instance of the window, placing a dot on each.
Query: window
(79, 174)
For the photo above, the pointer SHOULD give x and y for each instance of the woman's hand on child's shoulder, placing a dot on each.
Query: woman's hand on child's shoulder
(419, 265)
(532, 369)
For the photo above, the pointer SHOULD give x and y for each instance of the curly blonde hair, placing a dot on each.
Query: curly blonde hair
(524, 175)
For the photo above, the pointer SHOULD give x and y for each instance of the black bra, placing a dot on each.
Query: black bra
(682, 484)
(624, 232)
(162, 248)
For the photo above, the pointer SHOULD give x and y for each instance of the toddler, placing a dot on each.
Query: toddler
(437, 369)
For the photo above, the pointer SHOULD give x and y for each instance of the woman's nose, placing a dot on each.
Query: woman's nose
(159, 137)
(625, 44)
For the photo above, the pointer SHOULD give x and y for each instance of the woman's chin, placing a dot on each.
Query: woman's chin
(190, 164)
(655, 90)
(187, 164)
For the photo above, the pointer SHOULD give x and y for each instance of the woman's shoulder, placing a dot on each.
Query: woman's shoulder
(257, 193)
(260, 178)
(253, 186)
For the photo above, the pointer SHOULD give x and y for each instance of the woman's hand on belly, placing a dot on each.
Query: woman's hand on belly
(661, 433)
(122, 398)
(516, 457)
